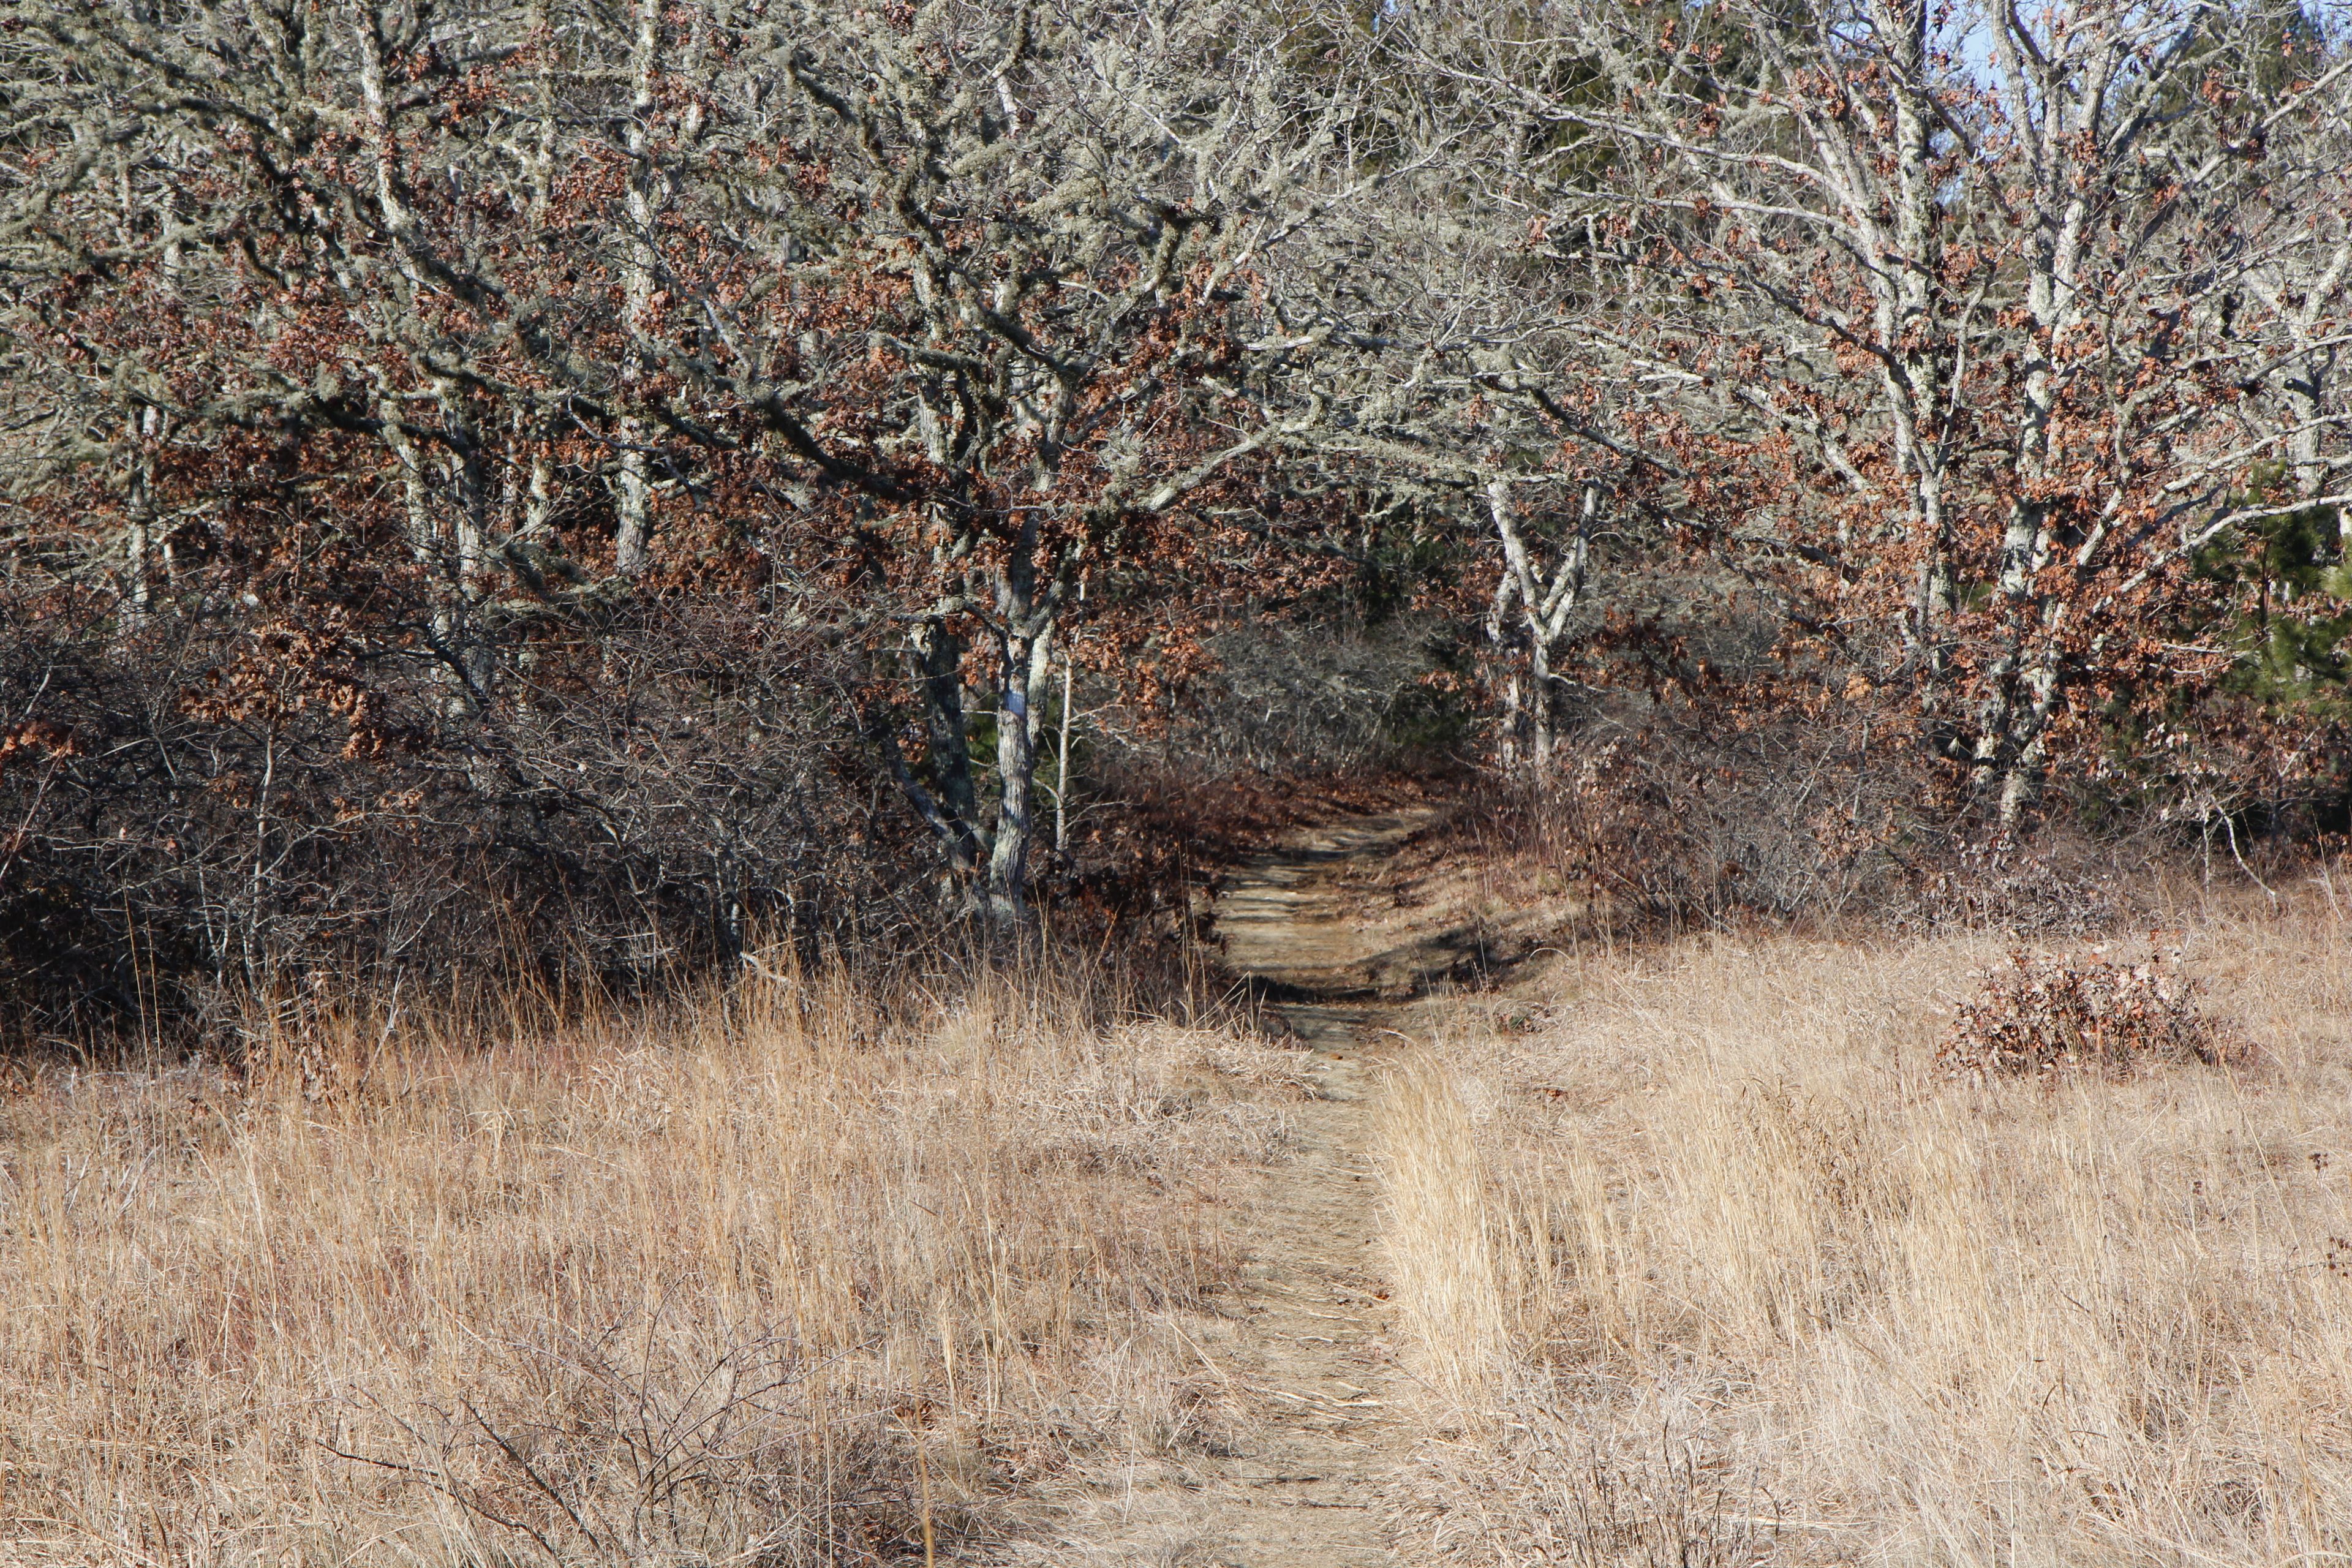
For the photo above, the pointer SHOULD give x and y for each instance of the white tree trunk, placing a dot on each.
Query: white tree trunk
(633, 491)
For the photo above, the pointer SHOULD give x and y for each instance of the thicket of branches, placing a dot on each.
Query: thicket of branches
(609, 484)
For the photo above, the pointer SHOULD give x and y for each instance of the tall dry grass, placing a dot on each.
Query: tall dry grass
(1774, 1291)
(1439, 1252)
(809, 1274)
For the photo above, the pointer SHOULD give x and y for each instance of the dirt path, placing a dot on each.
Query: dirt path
(1308, 1356)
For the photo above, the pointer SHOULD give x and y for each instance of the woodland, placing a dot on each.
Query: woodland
(598, 489)
(1170, 784)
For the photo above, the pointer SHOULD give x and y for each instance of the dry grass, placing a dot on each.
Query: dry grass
(1773, 1289)
(1439, 1254)
(797, 1278)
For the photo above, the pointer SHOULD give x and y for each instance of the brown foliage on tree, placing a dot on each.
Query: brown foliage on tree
(512, 425)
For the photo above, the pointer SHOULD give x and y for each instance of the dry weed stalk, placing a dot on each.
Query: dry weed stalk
(691, 1291)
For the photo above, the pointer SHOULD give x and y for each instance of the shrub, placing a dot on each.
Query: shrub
(2052, 1014)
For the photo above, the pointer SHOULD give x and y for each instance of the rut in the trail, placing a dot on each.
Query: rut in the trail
(1310, 1353)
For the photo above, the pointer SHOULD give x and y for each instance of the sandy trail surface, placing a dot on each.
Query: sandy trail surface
(1308, 1353)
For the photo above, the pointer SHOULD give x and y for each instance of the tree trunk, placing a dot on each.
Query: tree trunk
(1539, 705)
(1061, 761)
(1544, 599)
(450, 633)
(1027, 600)
(1499, 635)
(1016, 771)
(138, 504)
(937, 658)
(633, 493)
(2027, 738)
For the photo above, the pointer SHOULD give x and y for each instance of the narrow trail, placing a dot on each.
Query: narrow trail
(1309, 1357)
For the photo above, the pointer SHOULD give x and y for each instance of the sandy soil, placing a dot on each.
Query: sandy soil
(1306, 1357)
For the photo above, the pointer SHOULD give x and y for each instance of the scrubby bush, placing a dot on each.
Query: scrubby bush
(2050, 1015)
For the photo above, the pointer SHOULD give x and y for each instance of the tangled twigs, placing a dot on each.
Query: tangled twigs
(2051, 1014)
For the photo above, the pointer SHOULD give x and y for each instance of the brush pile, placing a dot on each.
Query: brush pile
(2050, 1015)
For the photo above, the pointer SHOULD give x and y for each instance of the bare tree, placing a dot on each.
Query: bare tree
(1984, 329)
(965, 305)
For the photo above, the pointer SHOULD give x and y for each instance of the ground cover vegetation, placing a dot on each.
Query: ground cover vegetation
(587, 1287)
(636, 638)
(1782, 1255)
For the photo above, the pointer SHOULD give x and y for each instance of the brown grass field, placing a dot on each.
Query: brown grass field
(1696, 1261)
(1769, 1288)
(793, 1278)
